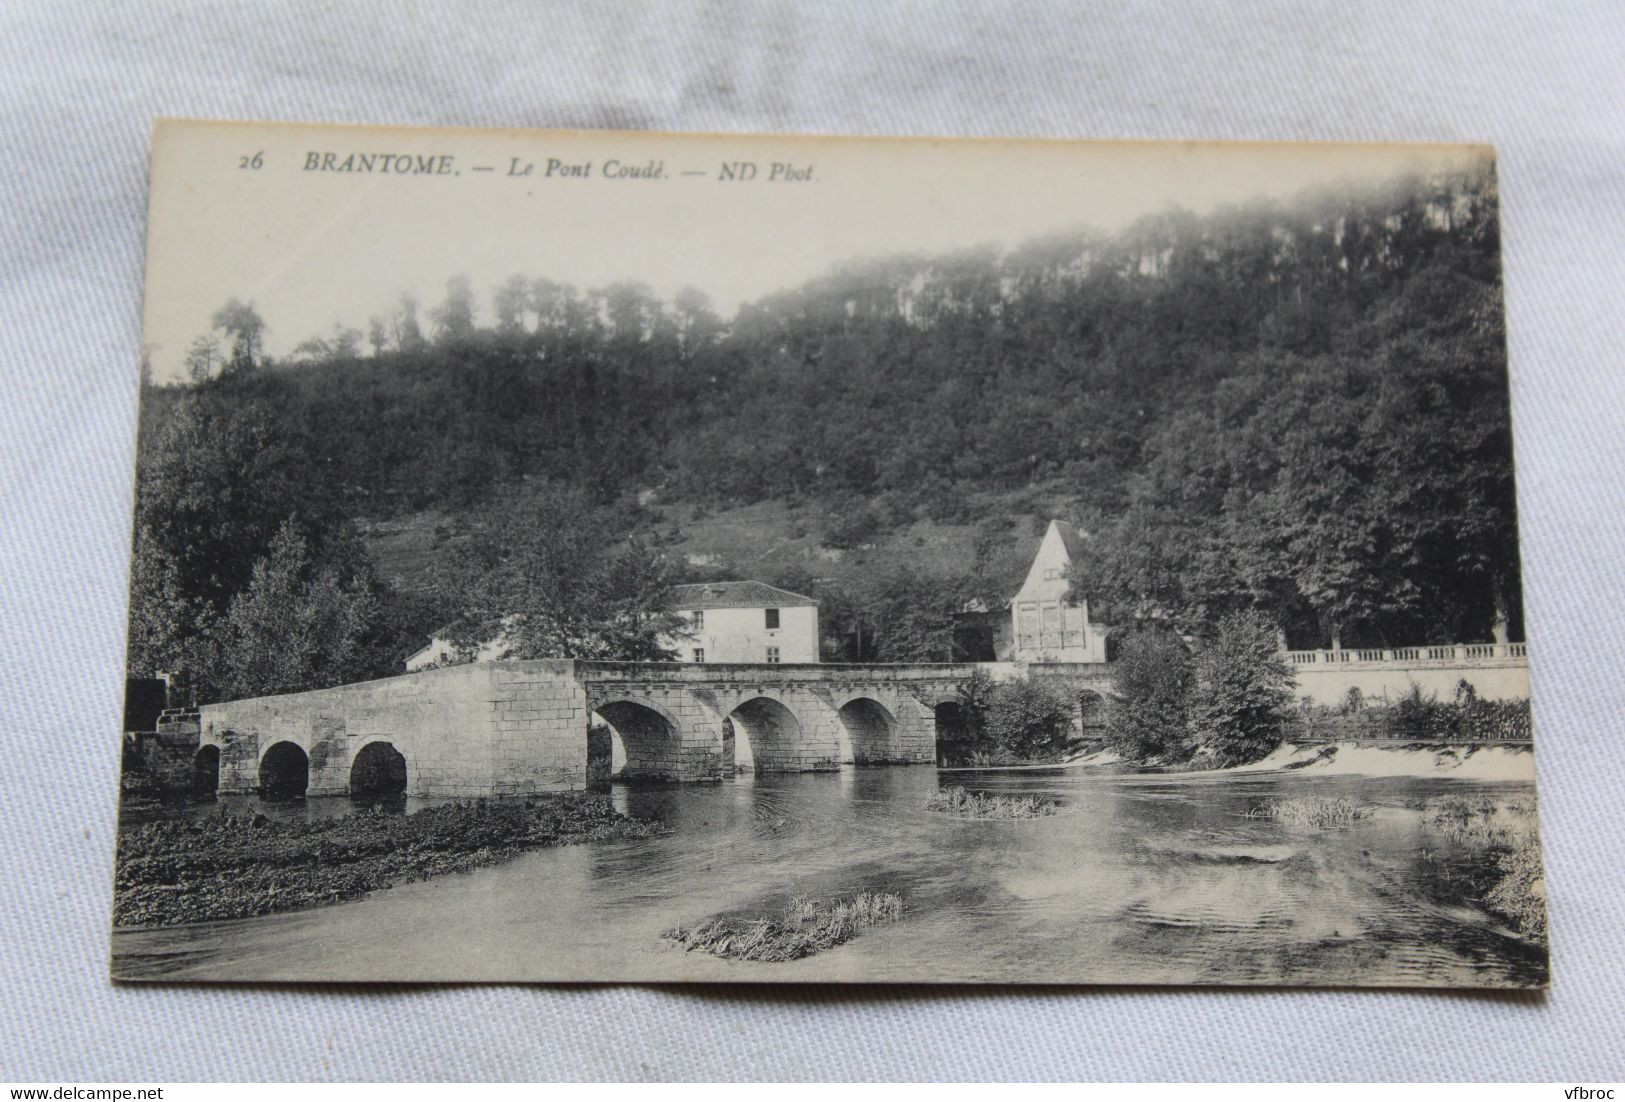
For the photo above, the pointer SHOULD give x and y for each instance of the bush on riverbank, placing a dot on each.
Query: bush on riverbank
(1241, 694)
(975, 805)
(806, 926)
(1226, 704)
(1148, 715)
(1018, 722)
(1319, 812)
(1510, 831)
(236, 866)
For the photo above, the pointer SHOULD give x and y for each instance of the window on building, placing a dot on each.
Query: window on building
(1051, 573)
(772, 654)
(699, 654)
(699, 620)
(772, 618)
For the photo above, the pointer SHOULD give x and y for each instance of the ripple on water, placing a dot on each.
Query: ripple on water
(1149, 879)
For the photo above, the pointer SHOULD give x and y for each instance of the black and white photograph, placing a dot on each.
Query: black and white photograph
(631, 557)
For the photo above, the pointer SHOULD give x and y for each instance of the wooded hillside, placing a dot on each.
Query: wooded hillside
(1296, 407)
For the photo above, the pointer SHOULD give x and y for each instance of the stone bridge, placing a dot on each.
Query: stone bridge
(510, 728)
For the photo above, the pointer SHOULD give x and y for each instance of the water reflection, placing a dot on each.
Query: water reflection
(1138, 878)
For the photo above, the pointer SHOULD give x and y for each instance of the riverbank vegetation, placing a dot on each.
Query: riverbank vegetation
(1212, 701)
(955, 800)
(237, 866)
(1508, 831)
(806, 926)
(1017, 722)
(1417, 716)
(1318, 812)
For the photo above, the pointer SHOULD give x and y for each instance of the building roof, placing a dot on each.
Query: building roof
(1071, 539)
(735, 595)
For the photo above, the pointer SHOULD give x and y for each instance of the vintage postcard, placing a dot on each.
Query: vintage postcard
(643, 557)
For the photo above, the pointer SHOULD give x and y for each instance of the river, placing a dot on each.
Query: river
(1140, 878)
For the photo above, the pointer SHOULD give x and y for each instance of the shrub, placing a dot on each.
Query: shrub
(1243, 690)
(1418, 718)
(1028, 719)
(1009, 722)
(1494, 719)
(1419, 715)
(1149, 715)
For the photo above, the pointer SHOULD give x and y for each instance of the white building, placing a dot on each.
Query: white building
(745, 622)
(1048, 621)
(440, 651)
(728, 622)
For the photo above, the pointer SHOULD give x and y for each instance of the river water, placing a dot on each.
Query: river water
(1140, 878)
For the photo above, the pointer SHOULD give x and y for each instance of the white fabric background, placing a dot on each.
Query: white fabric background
(80, 83)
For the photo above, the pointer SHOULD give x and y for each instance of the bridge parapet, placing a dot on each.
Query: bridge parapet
(756, 673)
(1094, 675)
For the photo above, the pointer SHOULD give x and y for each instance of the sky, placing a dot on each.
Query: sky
(249, 210)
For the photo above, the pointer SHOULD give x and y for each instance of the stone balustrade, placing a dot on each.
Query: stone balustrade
(1449, 654)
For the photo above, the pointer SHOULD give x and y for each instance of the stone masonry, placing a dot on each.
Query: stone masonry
(489, 729)
(511, 728)
(675, 719)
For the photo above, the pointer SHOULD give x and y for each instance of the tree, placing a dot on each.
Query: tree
(218, 482)
(632, 311)
(907, 617)
(1148, 715)
(245, 334)
(1243, 690)
(454, 318)
(549, 572)
(346, 343)
(171, 631)
(698, 327)
(408, 335)
(296, 626)
(201, 357)
(509, 305)
(378, 335)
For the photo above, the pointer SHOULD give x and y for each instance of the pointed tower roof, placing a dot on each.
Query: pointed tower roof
(1071, 538)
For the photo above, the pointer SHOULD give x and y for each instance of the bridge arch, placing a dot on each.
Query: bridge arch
(378, 768)
(870, 730)
(205, 780)
(284, 771)
(1091, 714)
(955, 736)
(767, 736)
(650, 738)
